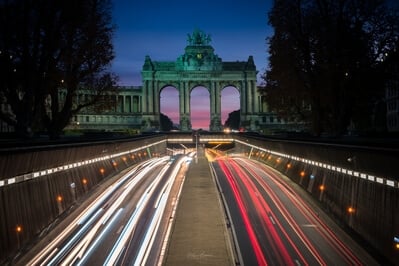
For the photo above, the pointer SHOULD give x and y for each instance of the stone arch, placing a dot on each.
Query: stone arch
(200, 105)
(223, 107)
(172, 90)
(200, 66)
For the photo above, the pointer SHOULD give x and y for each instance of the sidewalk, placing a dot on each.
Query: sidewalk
(199, 235)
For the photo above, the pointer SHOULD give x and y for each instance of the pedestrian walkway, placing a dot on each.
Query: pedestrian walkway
(199, 235)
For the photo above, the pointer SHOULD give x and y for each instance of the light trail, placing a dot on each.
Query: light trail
(313, 218)
(288, 217)
(254, 241)
(89, 229)
(160, 205)
(265, 211)
(98, 240)
(282, 215)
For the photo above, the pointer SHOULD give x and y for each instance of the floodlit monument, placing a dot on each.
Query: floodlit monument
(200, 66)
(138, 108)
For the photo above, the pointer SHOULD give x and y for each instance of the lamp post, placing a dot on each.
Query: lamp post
(196, 147)
(73, 190)
(59, 203)
(351, 209)
(18, 231)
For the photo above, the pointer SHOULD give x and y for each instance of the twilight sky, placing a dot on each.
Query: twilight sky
(159, 28)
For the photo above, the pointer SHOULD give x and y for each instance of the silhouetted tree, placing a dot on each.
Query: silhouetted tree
(51, 46)
(233, 120)
(166, 123)
(324, 60)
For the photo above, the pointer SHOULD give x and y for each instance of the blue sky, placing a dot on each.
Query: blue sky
(159, 28)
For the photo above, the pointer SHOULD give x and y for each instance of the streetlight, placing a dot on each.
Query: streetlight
(84, 182)
(18, 230)
(396, 240)
(196, 147)
(59, 203)
(73, 190)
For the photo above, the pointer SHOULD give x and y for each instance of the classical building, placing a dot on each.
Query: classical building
(392, 92)
(139, 107)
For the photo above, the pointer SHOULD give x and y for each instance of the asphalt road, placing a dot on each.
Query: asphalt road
(273, 225)
(126, 224)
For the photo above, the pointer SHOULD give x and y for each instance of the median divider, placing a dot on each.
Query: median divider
(199, 232)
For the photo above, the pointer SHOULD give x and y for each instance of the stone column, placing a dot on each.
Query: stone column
(243, 98)
(157, 96)
(215, 108)
(249, 97)
(184, 106)
(151, 97)
(181, 104)
(187, 97)
(145, 97)
(212, 106)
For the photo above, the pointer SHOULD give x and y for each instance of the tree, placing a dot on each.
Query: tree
(166, 123)
(52, 48)
(324, 58)
(233, 120)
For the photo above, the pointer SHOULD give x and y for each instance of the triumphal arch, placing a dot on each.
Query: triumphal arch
(200, 66)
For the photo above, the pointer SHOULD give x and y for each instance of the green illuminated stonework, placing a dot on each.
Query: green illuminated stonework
(200, 66)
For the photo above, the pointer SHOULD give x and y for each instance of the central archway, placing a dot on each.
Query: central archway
(230, 102)
(169, 104)
(200, 66)
(200, 108)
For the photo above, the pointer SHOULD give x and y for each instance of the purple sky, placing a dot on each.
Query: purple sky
(159, 28)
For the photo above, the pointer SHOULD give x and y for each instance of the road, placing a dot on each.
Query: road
(273, 225)
(127, 223)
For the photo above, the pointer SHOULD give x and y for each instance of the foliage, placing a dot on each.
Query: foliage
(47, 46)
(325, 61)
(233, 120)
(166, 123)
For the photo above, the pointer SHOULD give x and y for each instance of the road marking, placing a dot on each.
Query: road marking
(309, 225)
(120, 229)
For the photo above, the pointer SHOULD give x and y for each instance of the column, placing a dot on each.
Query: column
(157, 96)
(249, 98)
(212, 99)
(123, 103)
(218, 102)
(145, 97)
(150, 107)
(181, 101)
(243, 98)
(187, 97)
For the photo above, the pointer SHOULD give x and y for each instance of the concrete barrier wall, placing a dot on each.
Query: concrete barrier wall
(363, 196)
(29, 205)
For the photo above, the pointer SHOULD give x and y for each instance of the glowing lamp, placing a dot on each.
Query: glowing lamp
(18, 229)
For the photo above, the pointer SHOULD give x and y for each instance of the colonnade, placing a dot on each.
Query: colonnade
(249, 101)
